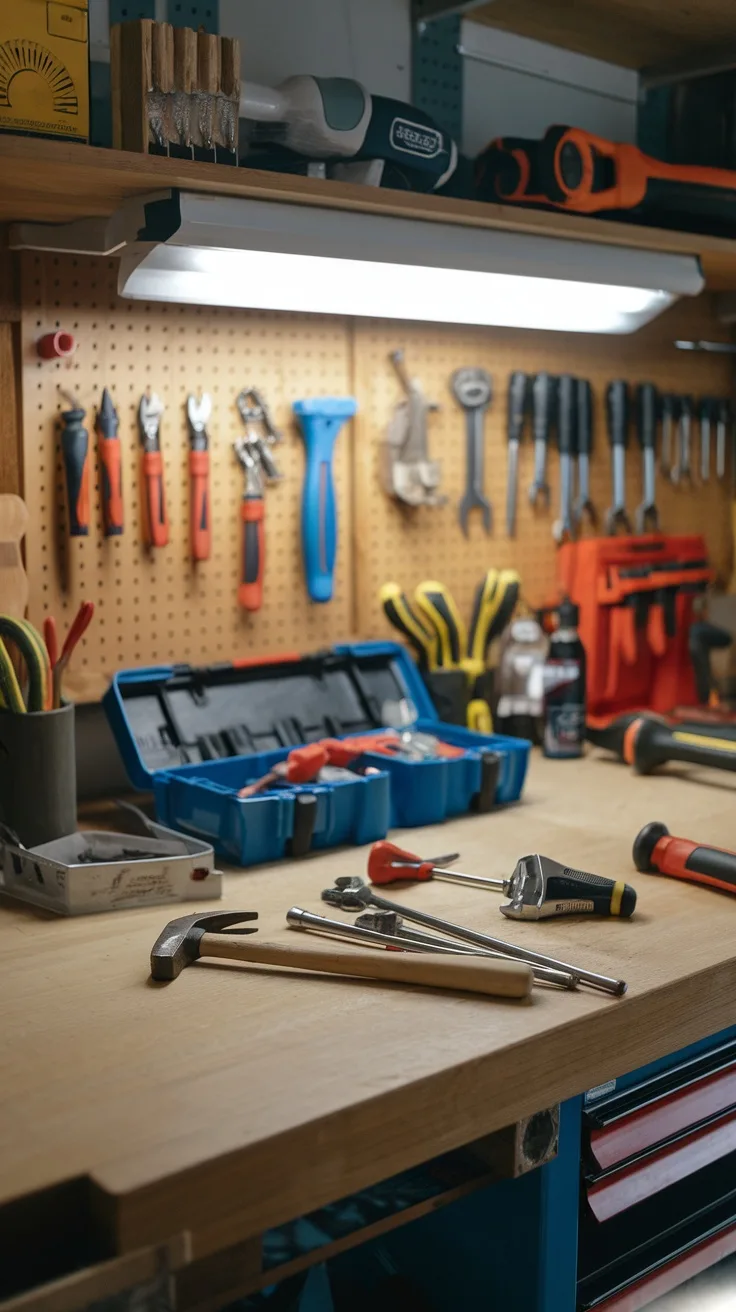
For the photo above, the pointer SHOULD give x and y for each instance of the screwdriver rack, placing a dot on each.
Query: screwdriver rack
(158, 607)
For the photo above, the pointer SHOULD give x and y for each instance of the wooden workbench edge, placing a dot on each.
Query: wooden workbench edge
(249, 1190)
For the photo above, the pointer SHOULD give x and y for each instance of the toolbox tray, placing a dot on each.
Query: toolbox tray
(194, 736)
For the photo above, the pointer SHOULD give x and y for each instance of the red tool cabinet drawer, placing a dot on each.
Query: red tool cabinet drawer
(661, 1120)
(675, 1273)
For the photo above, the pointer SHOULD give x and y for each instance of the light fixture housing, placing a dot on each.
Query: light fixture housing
(234, 251)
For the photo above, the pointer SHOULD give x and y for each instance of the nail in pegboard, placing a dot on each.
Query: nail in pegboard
(157, 607)
(404, 545)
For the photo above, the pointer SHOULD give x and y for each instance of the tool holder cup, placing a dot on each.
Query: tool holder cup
(38, 777)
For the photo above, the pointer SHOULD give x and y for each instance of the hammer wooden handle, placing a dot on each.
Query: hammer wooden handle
(503, 979)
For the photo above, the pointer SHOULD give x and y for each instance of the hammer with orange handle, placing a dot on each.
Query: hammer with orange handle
(656, 851)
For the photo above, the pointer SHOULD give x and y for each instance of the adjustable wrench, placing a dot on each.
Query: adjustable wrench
(647, 515)
(583, 446)
(617, 410)
(517, 407)
(562, 529)
(543, 391)
(723, 420)
(473, 390)
(682, 468)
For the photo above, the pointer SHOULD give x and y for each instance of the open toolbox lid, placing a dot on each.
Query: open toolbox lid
(168, 716)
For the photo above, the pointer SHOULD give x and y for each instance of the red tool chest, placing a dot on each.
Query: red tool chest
(636, 597)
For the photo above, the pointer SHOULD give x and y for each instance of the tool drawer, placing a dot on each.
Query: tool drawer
(658, 1197)
(196, 737)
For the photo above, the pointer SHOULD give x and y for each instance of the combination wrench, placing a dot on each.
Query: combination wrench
(562, 529)
(682, 468)
(647, 515)
(543, 391)
(473, 390)
(617, 410)
(583, 445)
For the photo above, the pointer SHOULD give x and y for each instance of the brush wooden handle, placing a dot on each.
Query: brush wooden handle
(503, 979)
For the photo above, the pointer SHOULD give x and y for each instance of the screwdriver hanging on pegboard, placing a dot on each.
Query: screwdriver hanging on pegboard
(108, 447)
(74, 450)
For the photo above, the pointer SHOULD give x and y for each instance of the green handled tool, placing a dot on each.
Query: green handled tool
(32, 648)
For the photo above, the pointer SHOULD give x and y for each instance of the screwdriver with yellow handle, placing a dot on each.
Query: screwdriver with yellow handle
(403, 616)
(438, 605)
(494, 604)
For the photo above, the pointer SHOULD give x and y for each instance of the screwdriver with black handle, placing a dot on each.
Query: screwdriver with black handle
(518, 401)
(645, 741)
(656, 851)
(438, 609)
(75, 450)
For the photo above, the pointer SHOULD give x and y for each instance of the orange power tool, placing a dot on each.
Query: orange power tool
(575, 170)
(657, 851)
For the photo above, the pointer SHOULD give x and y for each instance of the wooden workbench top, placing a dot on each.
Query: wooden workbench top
(236, 1098)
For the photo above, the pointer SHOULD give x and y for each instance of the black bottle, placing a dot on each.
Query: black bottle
(564, 688)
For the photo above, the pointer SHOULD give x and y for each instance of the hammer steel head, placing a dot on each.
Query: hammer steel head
(178, 945)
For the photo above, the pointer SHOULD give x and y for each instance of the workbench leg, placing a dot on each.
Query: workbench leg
(512, 1245)
(558, 1216)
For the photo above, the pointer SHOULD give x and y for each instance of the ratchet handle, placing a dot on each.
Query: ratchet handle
(153, 477)
(579, 893)
(112, 485)
(657, 851)
(617, 409)
(584, 409)
(250, 591)
(566, 414)
(199, 487)
(646, 402)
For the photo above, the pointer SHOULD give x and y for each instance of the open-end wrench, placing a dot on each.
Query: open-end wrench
(707, 417)
(670, 415)
(647, 515)
(617, 410)
(517, 407)
(473, 390)
(562, 529)
(543, 394)
(682, 468)
(352, 894)
(723, 421)
(583, 445)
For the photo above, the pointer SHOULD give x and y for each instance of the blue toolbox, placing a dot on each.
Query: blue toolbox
(195, 736)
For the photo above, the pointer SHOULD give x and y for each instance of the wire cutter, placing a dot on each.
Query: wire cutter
(199, 410)
(149, 418)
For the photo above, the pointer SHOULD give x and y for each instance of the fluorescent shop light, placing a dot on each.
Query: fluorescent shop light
(220, 250)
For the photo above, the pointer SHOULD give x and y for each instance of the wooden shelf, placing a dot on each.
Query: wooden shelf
(56, 181)
(634, 33)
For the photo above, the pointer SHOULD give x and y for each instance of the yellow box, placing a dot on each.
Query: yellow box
(44, 68)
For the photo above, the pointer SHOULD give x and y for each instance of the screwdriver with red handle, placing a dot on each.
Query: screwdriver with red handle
(108, 447)
(657, 851)
(389, 864)
(300, 767)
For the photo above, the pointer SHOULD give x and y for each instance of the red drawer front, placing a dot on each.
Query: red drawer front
(641, 1130)
(675, 1273)
(642, 1179)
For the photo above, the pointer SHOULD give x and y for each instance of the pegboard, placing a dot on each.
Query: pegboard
(156, 606)
(406, 545)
